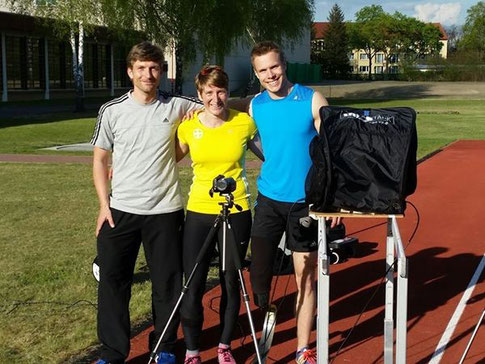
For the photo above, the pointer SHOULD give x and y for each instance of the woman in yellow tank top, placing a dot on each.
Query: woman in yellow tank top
(216, 138)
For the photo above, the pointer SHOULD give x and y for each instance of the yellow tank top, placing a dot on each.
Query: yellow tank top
(216, 151)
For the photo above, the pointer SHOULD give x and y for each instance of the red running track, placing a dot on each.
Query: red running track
(443, 257)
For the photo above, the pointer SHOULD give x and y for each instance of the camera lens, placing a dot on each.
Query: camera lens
(221, 185)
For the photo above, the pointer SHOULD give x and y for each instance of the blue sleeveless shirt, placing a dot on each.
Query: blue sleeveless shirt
(286, 127)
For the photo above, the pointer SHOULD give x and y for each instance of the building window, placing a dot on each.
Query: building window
(96, 65)
(121, 78)
(364, 69)
(393, 69)
(351, 56)
(103, 66)
(35, 63)
(363, 56)
(378, 69)
(379, 57)
(394, 58)
(25, 62)
(60, 65)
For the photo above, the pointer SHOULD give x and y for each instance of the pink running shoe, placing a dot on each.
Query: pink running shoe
(225, 356)
(193, 359)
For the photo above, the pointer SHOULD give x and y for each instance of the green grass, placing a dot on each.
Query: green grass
(47, 229)
(47, 290)
(30, 134)
(47, 243)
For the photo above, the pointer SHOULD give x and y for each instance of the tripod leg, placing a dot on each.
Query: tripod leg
(185, 288)
(237, 264)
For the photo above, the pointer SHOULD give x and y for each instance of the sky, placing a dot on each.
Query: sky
(447, 12)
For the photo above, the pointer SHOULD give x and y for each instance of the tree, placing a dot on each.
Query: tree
(67, 18)
(376, 31)
(366, 32)
(170, 23)
(334, 57)
(417, 39)
(277, 20)
(474, 30)
(217, 37)
(211, 26)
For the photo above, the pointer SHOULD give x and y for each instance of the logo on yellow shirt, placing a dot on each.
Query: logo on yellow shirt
(198, 133)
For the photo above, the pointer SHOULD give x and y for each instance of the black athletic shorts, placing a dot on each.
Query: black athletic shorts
(272, 218)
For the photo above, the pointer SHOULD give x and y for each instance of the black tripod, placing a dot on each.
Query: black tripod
(222, 218)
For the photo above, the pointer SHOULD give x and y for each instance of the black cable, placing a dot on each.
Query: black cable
(69, 305)
(378, 285)
(418, 219)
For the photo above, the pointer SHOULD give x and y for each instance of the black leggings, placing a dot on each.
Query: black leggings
(196, 229)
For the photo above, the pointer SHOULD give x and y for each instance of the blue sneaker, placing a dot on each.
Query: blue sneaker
(165, 358)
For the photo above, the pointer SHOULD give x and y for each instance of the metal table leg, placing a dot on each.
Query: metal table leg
(402, 296)
(323, 302)
(389, 303)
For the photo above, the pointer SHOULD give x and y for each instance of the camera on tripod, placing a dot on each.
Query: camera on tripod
(222, 185)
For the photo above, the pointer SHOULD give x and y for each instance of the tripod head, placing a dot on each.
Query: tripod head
(229, 202)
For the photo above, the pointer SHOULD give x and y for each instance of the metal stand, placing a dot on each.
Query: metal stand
(222, 218)
(477, 326)
(393, 247)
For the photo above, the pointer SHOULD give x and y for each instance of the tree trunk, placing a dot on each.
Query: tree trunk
(386, 73)
(370, 66)
(77, 67)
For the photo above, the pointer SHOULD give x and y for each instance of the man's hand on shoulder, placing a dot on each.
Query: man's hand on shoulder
(190, 114)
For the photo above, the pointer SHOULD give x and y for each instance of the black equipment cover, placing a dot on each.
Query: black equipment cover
(363, 160)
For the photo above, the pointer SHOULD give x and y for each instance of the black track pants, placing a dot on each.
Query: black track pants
(117, 252)
(197, 227)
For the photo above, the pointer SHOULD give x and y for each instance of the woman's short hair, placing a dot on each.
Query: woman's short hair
(211, 75)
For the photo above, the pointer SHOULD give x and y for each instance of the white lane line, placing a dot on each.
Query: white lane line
(440, 349)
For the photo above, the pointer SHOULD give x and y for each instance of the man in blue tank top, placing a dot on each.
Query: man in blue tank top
(287, 117)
